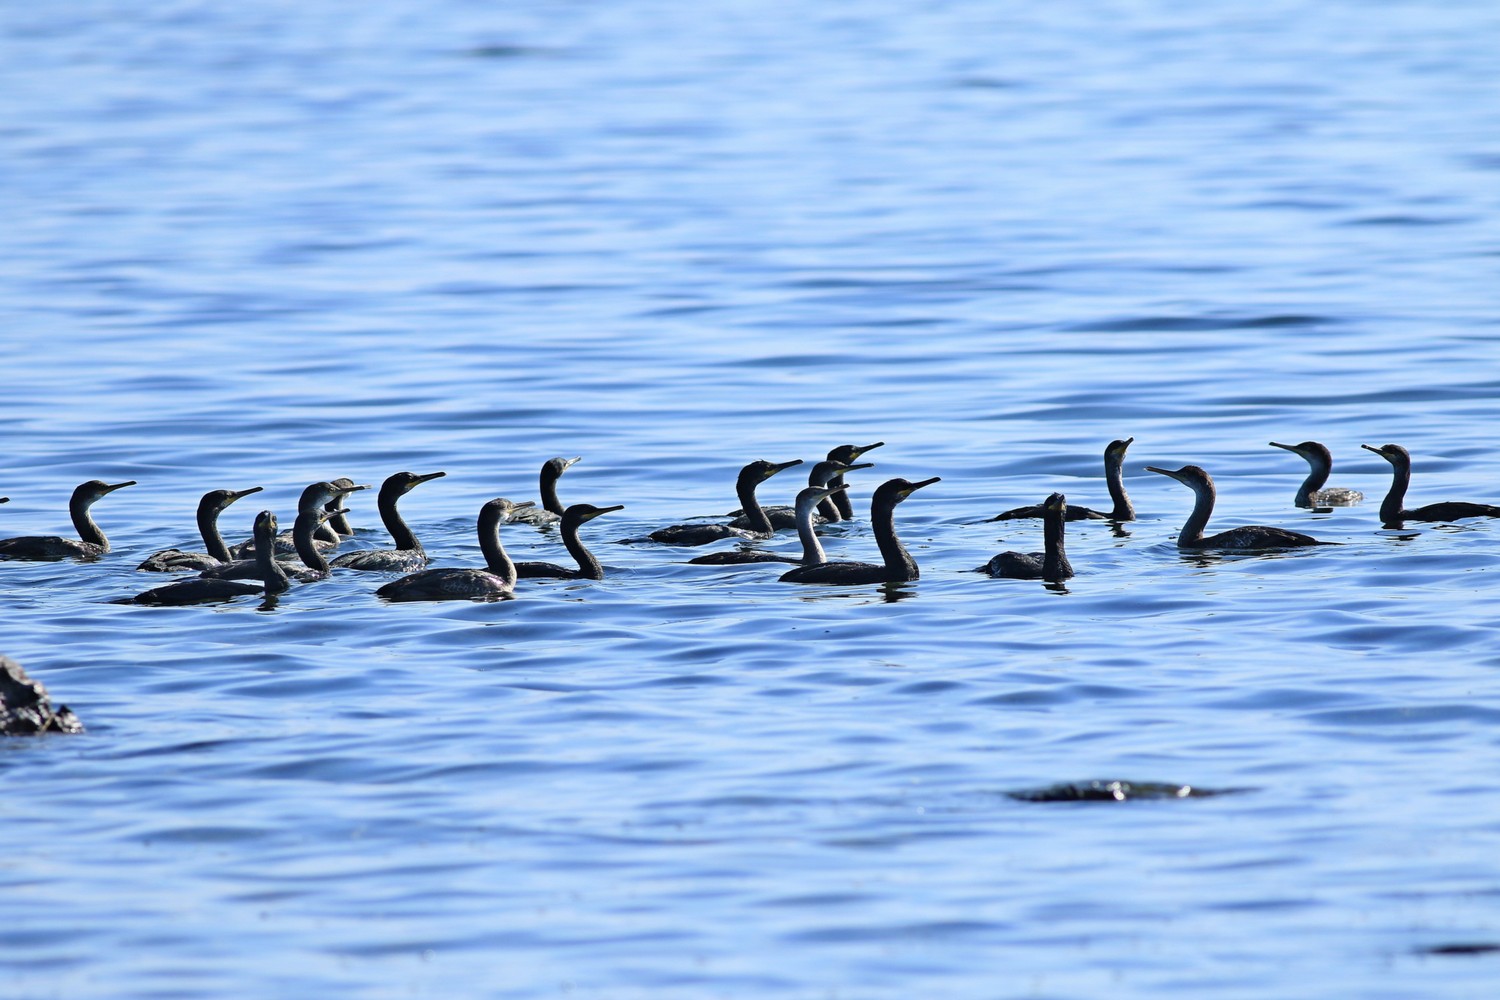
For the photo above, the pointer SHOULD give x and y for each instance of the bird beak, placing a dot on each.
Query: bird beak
(869, 447)
(119, 486)
(244, 493)
(1368, 448)
(1284, 447)
(606, 510)
(786, 465)
(925, 482)
(861, 465)
(345, 491)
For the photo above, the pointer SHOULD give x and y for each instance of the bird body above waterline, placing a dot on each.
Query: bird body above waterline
(213, 590)
(213, 503)
(1392, 510)
(494, 582)
(1114, 481)
(408, 554)
(588, 566)
(808, 503)
(897, 566)
(750, 477)
(1312, 493)
(310, 505)
(551, 509)
(1253, 537)
(824, 473)
(1052, 564)
(90, 542)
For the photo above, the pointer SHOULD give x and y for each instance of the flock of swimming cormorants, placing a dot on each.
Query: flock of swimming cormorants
(273, 560)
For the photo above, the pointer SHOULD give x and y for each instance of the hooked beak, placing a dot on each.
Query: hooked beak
(119, 486)
(926, 482)
(777, 467)
(237, 494)
(869, 447)
(1284, 447)
(430, 476)
(346, 490)
(861, 465)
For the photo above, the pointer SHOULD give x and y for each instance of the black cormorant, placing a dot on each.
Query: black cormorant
(1253, 536)
(898, 566)
(1051, 565)
(408, 554)
(90, 542)
(304, 536)
(588, 566)
(808, 502)
(823, 474)
(339, 523)
(838, 507)
(313, 501)
(551, 509)
(1311, 493)
(1114, 479)
(205, 590)
(495, 581)
(750, 477)
(210, 507)
(1391, 511)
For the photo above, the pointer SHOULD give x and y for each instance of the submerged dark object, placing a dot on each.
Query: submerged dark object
(408, 553)
(1051, 565)
(1461, 948)
(898, 565)
(1116, 791)
(1320, 462)
(1392, 513)
(25, 708)
(1114, 480)
(749, 478)
(90, 542)
(1253, 537)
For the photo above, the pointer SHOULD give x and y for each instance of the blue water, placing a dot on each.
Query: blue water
(268, 243)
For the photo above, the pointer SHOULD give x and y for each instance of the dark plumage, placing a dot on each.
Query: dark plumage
(90, 542)
(1051, 565)
(204, 590)
(494, 582)
(310, 505)
(551, 509)
(588, 566)
(1250, 537)
(408, 553)
(812, 549)
(1320, 462)
(749, 478)
(1392, 513)
(213, 503)
(1114, 480)
(838, 506)
(898, 565)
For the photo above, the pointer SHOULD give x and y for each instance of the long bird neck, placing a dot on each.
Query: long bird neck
(1316, 477)
(812, 548)
(496, 559)
(270, 569)
(338, 524)
(837, 507)
(898, 562)
(1392, 505)
(391, 518)
(588, 566)
(83, 523)
(1055, 559)
(1114, 478)
(550, 502)
(1203, 509)
(213, 542)
(303, 533)
(753, 513)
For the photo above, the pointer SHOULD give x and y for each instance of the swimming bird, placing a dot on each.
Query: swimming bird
(1051, 565)
(1250, 537)
(588, 566)
(206, 590)
(213, 503)
(812, 549)
(822, 474)
(1114, 479)
(339, 522)
(494, 582)
(90, 543)
(551, 509)
(1392, 513)
(1311, 493)
(898, 565)
(749, 478)
(313, 501)
(304, 532)
(408, 553)
(330, 495)
(838, 507)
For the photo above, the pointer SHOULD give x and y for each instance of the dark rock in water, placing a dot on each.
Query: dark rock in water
(25, 708)
(1116, 791)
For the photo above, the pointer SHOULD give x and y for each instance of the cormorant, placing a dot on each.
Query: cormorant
(330, 495)
(314, 498)
(90, 543)
(822, 474)
(750, 477)
(1249, 537)
(205, 590)
(1391, 511)
(812, 549)
(339, 523)
(1051, 565)
(838, 506)
(1311, 493)
(304, 536)
(588, 566)
(408, 553)
(551, 509)
(898, 566)
(1114, 460)
(210, 507)
(495, 581)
